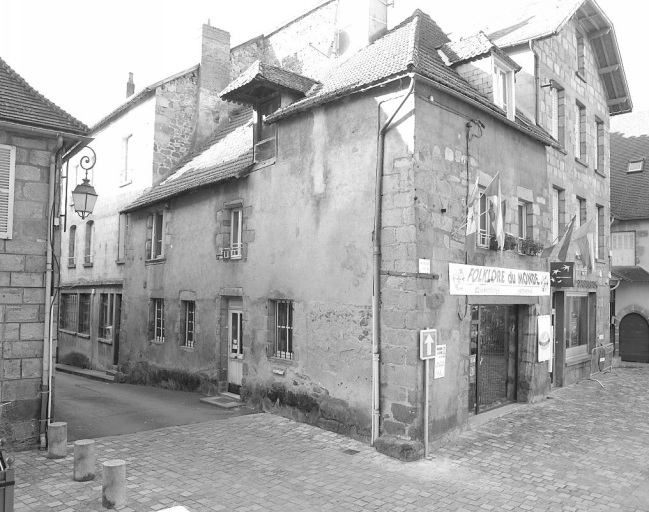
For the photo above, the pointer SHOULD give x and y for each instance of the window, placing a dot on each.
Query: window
(106, 303)
(87, 253)
(155, 230)
(599, 147)
(157, 320)
(554, 100)
(582, 211)
(121, 237)
(578, 325)
(600, 240)
(484, 221)
(635, 166)
(69, 310)
(72, 243)
(84, 314)
(7, 179)
(558, 213)
(265, 135)
(581, 57)
(623, 249)
(524, 217)
(235, 233)
(189, 312)
(580, 133)
(557, 112)
(124, 170)
(503, 90)
(281, 313)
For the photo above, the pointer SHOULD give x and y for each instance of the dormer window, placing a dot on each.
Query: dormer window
(635, 166)
(503, 88)
(265, 135)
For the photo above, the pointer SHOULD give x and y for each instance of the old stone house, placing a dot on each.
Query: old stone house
(630, 235)
(36, 138)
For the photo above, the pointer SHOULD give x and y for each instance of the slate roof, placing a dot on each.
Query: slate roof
(409, 47)
(629, 137)
(20, 103)
(225, 155)
(537, 19)
(631, 274)
(473, 47)
(261, 74)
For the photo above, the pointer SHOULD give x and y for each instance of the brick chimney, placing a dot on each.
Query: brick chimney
(130, 86)
(360, 23)
(214, 76)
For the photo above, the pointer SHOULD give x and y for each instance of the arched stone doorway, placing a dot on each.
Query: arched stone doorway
(634, 338)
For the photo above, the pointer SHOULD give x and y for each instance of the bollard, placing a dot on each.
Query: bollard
(113, 487)
(57, 440)
(84, 460)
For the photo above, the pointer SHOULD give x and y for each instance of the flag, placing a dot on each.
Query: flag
(584, 239)
(471, 227)
(494, 198)
(562, 244)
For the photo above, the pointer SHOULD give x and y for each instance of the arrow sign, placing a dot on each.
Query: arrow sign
(427, 343)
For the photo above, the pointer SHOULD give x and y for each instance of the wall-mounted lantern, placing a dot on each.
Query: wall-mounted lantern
(84, 196)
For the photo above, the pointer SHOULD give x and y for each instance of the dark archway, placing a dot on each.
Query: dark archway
(634, 338)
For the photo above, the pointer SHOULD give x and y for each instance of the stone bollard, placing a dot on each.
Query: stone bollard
(57, 440)
(84, 460)
(113, 487)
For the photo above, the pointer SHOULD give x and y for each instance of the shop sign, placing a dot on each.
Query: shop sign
(589, 285)
(545, 337)
(477, 280)
(562, 274)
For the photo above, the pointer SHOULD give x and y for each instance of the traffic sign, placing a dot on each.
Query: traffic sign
(427, 343)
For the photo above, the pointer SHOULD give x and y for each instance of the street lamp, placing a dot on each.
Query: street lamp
(84, 196)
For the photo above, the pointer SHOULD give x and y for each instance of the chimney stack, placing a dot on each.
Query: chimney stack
(130, 86)
(214, 77)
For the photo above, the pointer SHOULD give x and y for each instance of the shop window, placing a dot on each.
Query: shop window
(623, 249)
(69, 310)
(72, 246)
(84, 314)
(155, 236)
(106, 304)
(188, 308)
(578, 326)
(265, 136)
(281, 328)
(87, 253)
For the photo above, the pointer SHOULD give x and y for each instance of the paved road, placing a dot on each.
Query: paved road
(585, 449)
(95, 409)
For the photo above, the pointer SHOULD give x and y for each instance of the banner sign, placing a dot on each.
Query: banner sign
(545, 337)
(562, 274)
(477, 280)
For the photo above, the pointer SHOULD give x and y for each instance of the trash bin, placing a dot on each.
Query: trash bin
(7, 482)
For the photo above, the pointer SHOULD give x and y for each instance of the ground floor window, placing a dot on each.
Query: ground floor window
(281, 328)
(157, 320)
(84, 314)
(69, 311)
(577, 325)
(189, 317)
(106, 308)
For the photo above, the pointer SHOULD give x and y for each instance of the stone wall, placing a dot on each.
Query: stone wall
(22, 291)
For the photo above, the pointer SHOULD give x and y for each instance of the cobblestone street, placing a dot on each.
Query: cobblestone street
(584, 449)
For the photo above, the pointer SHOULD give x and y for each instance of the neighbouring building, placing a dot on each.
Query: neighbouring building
(36, 138)
(630, 235)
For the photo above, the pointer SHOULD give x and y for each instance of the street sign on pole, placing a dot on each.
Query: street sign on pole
(427, 343)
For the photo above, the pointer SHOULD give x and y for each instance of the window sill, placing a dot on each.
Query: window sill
(580, 161)
(185, 348)
(264, 163)
(582, 358)
(156, 342)
(280, 360)
(581, 76)
(81, 335)
(87, 265)
(155, 261)
(125, 183)
(66, 331)
(120, 262)
(600, 173)
(104, 340)
(73, 265)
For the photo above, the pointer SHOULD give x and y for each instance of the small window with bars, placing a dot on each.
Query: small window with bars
(281, 329)
(84, 314)
(236, 221)
(69, 311)
(157, 320)
(189, 322)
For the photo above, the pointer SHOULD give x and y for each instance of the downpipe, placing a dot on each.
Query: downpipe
(376, 254)
(46, 385)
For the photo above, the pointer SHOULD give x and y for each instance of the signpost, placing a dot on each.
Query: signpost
(428, 349)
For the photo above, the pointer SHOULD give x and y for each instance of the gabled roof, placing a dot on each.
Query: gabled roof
(635, 274)
(260, 76)
(474, 47)
(538, 19)
(411, 47)
(20, 103)
(226, 154)
(140, 96)
(629, 136)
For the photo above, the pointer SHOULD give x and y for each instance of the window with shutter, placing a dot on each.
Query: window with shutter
(7, 178)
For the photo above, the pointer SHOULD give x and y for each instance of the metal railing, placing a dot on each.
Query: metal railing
(601, 362)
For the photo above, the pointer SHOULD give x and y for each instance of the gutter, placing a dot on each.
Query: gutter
(376, 249)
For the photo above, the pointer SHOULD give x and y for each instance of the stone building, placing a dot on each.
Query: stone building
(630, 235)
(36, 138)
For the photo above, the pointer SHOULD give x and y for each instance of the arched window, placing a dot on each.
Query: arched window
(72, 245)
(87, 255)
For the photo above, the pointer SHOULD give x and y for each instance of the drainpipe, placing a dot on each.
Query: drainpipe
(46, 395)
(376, 249)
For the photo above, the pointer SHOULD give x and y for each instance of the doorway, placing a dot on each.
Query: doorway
(634, 339)
(235, 346)
(493, 363)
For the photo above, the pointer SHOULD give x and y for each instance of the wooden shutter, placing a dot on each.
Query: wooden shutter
(7, 179)
(149, 236)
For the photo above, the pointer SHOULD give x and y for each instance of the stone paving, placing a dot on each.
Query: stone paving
(584, 449)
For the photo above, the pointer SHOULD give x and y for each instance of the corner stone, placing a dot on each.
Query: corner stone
(400, 449)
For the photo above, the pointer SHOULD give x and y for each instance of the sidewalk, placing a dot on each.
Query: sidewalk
(584, 449)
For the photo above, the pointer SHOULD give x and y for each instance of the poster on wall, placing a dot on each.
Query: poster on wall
(545, 338)
(478, 280)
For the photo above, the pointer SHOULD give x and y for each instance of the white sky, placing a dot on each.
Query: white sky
(78, 53)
